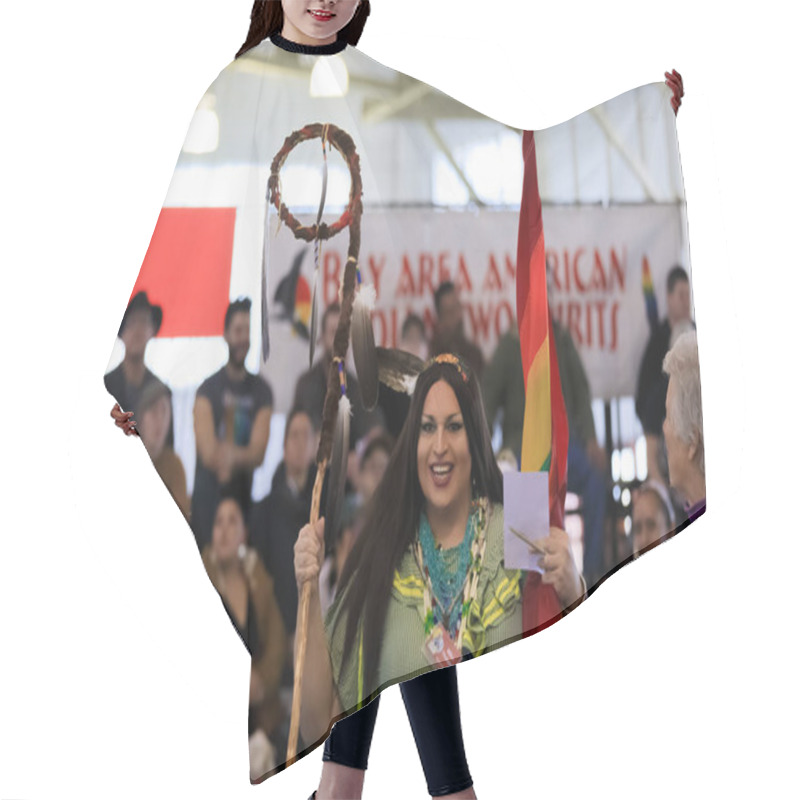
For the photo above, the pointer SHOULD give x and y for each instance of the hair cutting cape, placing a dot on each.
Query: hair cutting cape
(561, 277)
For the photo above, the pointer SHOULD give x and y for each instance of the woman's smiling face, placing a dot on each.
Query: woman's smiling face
(316, 21)
(444, 463)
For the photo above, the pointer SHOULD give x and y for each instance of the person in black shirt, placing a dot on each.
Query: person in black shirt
(275, 520)
(311, 386)
(232, 414)
(449, 335)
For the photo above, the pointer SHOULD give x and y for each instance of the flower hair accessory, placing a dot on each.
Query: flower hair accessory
(450, 358)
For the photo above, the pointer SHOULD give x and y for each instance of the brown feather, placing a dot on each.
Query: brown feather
(338, 469)
(264, 293)
(313, 322)
(364, 356)
(314, 301)
(398, 369)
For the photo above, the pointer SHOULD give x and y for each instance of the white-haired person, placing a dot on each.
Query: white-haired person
(683, 425)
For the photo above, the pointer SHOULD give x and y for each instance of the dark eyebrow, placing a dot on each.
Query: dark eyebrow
(454, 414)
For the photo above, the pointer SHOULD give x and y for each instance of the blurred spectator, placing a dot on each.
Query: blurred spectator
(503, 389)
(651, 388)
(275, 521)
(343, 543)
(586, 460)
(373, 464)
(313, 383)
(449, 336)
(232, 414)
(653, 517)
(683, 425)
(394, 405)
(140, 323)
(246, 590)
(371, 469)
(155, 419)
(412, 337)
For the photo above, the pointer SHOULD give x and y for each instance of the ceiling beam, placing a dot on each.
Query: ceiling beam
(442, 145)
(635, 163)
(403, 99)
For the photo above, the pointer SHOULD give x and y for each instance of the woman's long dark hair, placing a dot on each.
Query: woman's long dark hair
(392, 515)
(266, 18)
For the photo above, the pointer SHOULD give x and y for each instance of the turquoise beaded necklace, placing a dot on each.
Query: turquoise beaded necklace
(446, 569)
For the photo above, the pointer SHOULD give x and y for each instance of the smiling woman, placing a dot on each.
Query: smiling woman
(424, 584)
(306, 22)
(444, 464)
(316, 22)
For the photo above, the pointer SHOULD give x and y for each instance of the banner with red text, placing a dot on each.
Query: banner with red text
(595, 258)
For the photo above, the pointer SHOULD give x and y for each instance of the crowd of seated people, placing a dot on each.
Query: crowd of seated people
(247, 547)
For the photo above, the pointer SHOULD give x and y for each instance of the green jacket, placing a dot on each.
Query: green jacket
(495, 618)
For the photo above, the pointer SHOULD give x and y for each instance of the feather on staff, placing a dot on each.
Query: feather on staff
(264, 291)
(338, 464)
(364, 355)
(314, 322)
(398, 369)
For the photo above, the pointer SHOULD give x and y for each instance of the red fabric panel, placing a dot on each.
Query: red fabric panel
(187, 269)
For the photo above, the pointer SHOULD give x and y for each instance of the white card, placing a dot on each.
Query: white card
(526, 514)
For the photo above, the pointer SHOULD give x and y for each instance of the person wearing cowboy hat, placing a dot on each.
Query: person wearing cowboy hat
(140, 323)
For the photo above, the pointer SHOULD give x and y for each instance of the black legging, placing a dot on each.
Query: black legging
(433, 711)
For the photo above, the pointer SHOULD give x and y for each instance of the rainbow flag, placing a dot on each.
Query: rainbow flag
(545, 432)
(650, 302)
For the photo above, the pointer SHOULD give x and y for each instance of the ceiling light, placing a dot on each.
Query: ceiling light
(329, 78)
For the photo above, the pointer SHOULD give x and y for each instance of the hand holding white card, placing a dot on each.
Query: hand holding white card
(526, 518)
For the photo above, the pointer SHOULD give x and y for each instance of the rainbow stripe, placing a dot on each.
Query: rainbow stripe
(650, 302)
(545, 435)
(534, 338)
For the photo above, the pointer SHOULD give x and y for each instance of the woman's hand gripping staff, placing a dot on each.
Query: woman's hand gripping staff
(319, 701)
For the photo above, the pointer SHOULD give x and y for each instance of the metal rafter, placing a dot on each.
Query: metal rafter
(442, 145)
(631, 159)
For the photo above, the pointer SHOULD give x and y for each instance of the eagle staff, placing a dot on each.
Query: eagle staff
(336, 409)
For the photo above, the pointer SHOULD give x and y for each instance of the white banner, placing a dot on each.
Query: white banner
(596, 257)
(595, 254)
